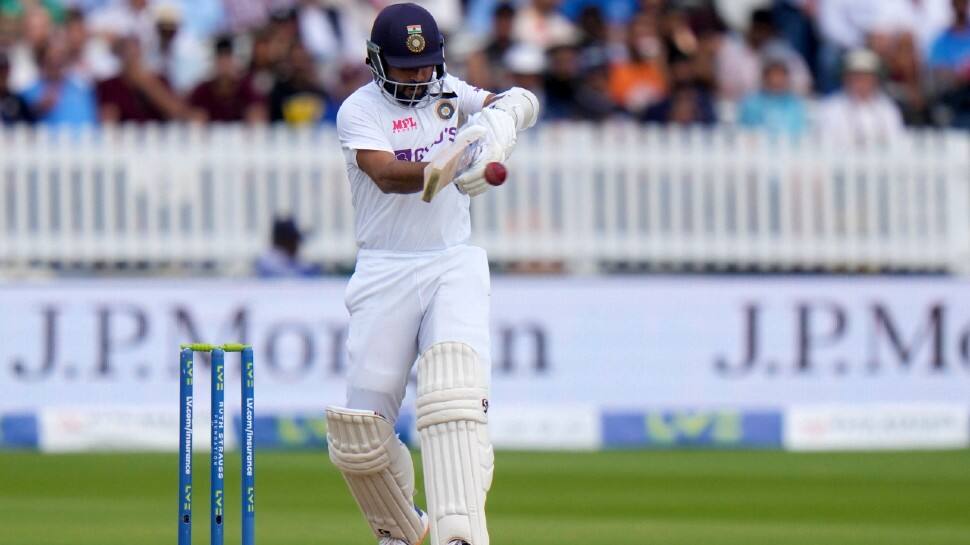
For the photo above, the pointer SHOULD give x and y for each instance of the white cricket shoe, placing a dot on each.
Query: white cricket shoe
(396, 541)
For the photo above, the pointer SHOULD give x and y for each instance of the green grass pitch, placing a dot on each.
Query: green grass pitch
(612, 498)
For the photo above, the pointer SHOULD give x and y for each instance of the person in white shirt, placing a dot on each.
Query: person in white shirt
(860, 114)
(540, 23)
(175, 52)
(124, 18)
(923, 20)
(419, 291)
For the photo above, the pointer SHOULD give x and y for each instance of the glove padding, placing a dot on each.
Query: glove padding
(496, 145)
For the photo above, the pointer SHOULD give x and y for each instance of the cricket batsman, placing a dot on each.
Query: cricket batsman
(419, 291)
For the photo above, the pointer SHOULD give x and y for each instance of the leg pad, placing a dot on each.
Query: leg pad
(378, 470)
(455, 447)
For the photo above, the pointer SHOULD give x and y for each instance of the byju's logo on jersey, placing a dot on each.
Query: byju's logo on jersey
(419, 154)
(404, 125)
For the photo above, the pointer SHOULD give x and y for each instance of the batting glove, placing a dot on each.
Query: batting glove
(496, 145)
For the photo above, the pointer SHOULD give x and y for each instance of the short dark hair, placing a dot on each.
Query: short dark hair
(504, 9)
(763, 17)
(773, 63)
(74, 15)
(283, 15)
(223, 45)
(285, 231)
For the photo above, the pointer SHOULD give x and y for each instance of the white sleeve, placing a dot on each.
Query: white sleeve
(836, 24)
(471, 100)
(895, 124)
(360, 129)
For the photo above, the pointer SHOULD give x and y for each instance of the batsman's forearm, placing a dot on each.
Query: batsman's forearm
(521, 104)
(401, 177)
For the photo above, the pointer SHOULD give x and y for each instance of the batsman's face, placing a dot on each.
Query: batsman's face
(411, 75)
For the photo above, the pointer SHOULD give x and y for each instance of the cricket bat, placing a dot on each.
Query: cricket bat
(452, 161)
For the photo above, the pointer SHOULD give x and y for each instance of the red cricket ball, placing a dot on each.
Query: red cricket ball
(495, 173)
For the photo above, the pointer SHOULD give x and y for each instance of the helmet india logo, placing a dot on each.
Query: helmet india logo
(415, 40)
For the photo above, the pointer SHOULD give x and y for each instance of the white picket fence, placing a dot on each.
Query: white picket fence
(581, 195)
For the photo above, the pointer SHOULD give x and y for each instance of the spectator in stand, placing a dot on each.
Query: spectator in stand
(486, 67)
(593, 102)
(843, 25)
(526, 64)
(8, 31)
(951, 50)
(329, 33)
(90, 57)
(950, 64)
(691, 39)
(540, 23)
(264, 62)
(137, 94)
(904, 79)
(337, 43)
(689, 102)
(13, 108)
(796, 22)
(177, 54)
(634, 51)
(736, 14)
(35, 30)
(680, 39)
(775, 108)
(205, 17)
(877, 24)
(121, 18)
(57, 98)
(348, 78)
(245, 15)
(616, 12)
(638, 79)
(739, 62)
(480, 15)
(447, 13)
(847, 23)
(229, 96)
(594, 36)
(284, 29)
(561, 82)
(922, 20)
(17, 8)
(686, 105)
(299, 97)
(860, 114)
(282, 260)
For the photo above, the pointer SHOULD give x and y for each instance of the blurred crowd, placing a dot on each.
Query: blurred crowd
(856, 69)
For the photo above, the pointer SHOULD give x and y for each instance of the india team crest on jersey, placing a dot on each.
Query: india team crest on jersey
(445, 110)
(415, 41)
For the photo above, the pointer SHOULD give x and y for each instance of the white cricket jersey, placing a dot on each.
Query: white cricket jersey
(368, 120)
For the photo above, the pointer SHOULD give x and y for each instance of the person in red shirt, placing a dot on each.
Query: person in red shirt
(229, 96)
(137, 94)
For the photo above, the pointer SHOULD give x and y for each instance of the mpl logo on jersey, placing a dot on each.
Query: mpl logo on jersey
(404, 125)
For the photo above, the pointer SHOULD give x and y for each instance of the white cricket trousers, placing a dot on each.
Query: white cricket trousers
(402, 303)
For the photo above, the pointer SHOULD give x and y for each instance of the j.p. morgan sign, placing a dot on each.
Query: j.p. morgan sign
(609, 342)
